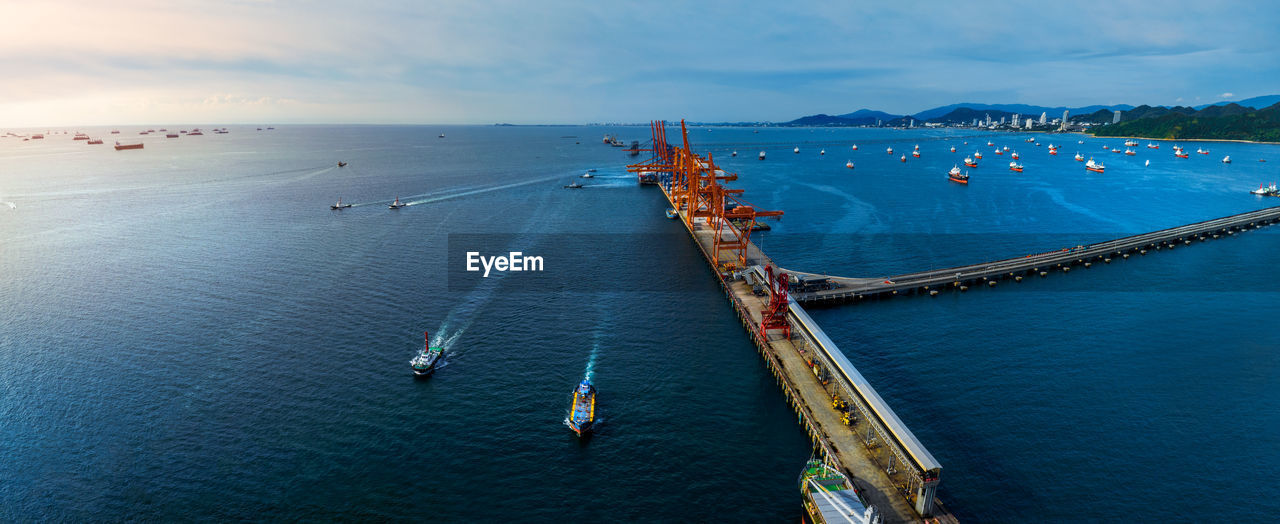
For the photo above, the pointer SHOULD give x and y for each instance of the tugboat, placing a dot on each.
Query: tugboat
(342, 164)
(1130, 152)
(855, 147)
(574, 185)
(396, 204)
(1014, 166)
(968, 162)
(339, 205)
(672, 214)
(956, 176)
(904, 158)
(583, 411)
(1096, 167)
(425, 361)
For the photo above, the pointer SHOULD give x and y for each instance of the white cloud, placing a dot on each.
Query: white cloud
(1226, 95)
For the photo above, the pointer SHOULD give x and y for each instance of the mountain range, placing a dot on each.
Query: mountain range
(966, 112)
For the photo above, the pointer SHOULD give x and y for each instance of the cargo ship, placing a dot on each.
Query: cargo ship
(829, 497)
(121, 147)
(1014, 166)
(969, 162)
(425, 361)
(956, 176)
(583, 411)
(1096, 167)
(647, 178)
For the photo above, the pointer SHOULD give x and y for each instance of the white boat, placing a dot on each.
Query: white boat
(1226, 159)
(1096, 167)
(823, 152)
(339, 205)
(849, 164)
(1079, 157)
(917, 147)
(953, 149)
(889, 150)
(796, 150)
(855, 147)
(587, 175)
(1266, 190)
(977, 155)
(396, 204)
(762, 155)
(735, 153)
(1147, 163)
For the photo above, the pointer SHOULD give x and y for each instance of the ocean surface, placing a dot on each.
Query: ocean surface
(189, 332)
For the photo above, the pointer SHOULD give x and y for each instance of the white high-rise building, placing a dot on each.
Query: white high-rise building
(1028, 123)
(1115, 119)
(1015, 120)
(1044, 117)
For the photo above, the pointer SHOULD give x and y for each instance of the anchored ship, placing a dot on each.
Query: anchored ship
(829, 497)
(956, 176)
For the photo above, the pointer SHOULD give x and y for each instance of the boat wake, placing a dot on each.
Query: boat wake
(429, 198)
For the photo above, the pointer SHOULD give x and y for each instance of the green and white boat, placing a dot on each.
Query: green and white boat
(829, 497)
(425, 361)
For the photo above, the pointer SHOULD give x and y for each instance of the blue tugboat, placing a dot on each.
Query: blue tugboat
(583, 411)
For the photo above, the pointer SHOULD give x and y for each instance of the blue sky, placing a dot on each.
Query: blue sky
(320, 61)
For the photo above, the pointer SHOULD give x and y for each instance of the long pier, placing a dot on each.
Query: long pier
(843, 289)
(851, 426)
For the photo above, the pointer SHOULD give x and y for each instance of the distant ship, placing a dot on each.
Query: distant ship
(823, 152)
(1131, 143)
(1014, 166)
(339, 205)
(977, 155)
(1096, 167)
(953, 149)
(969, 162)
(1226, 159)
(396, 204)
(849, 164)
(904, 158)
(80, 136)
(574, 185)
(1202, 151)
(1079, 157)
(916, 153)
(172, 135)
(1130, 152)
(582, 413)
(1266, 190)
(1014, 155)
(425, 361)
(830, 498)
(998, 151)
(889, 151)
(586, 175)
(762, 155)
(122, 147)
(94, 141)
(796, 150)
(855, 147)
(735, 153)
(342, 164)
(1153, 145)
(956, 176)
(1181, 154)
(195, 132)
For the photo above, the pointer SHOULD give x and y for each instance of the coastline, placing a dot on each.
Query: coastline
(1191, 139)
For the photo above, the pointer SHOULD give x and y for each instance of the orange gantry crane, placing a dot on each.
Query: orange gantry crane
(693, 186)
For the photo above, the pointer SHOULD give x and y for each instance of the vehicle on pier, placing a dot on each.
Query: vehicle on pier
(582, 413)
(1096, 167)
(396, 204)
(829, 497)
(339, 205)
(956, 176)
(425, 361)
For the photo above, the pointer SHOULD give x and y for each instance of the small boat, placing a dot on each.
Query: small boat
(592, 170)
(823, 152)
(195, 132)
(583, 411)
(1079, 157)
(796, 150)
(956, 176)
(425, 361)
(916, 153)
(855, 147)
(1153, 145)
(990, 143)
(762, 155)
(672, 214)
(977, 155)
(1147, 163)
(586, 175)
(80, 136)
(1130, 152)
(115, 131)
(1006, 148)
(342, 164)
(889, 151)
(917, 147)
(1181, 154)
(1014, 166)
(1079, 141)
(574, 185)
(904, 158)
(1014, 155)
(1053, 152)
(1202, 151)
(1131, 143)
(441, 135)
(953, 149)
(1226, 159)
(1051, 146)
(1096, 167)
(122, 147)
(1029, 140)
(849, 164)
(735, 153)
(339, 205)
(1107, 147)
(396, 204)
(968, 162)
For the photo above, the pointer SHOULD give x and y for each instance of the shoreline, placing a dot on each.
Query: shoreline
(1191, 139)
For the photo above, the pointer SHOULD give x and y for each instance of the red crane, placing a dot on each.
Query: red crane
(775, 316)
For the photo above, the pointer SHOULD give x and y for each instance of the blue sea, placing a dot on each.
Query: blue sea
(188, 332)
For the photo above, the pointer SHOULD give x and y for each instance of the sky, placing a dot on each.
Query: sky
(551, 61)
